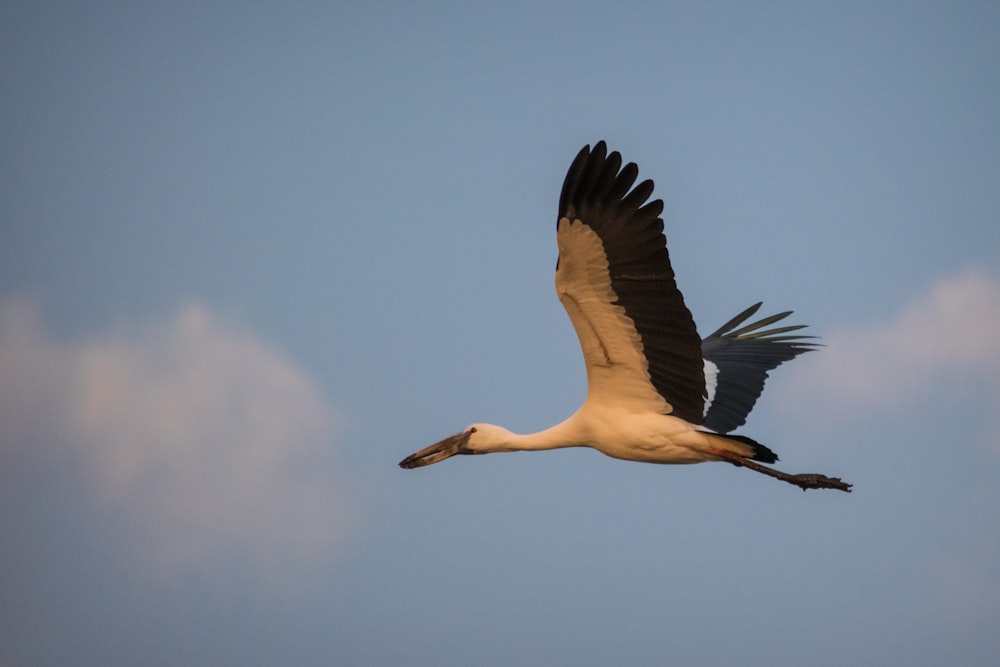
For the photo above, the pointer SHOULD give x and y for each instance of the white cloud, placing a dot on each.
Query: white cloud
(207, 443)
(881, 376)
(953, 328)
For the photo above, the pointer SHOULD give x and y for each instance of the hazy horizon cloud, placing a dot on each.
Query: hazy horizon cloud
(206, 442)
(949, 328)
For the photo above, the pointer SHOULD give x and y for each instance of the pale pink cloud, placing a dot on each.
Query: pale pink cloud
(954, 327)
(946, 336)
(208, 442)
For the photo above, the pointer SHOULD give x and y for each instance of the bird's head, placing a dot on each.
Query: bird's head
(477, 439)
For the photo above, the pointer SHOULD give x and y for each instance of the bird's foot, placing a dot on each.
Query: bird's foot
(816, 481)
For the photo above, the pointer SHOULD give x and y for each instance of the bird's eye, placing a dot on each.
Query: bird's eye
(472, 430)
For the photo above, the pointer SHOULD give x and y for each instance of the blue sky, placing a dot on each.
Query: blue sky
(252, 255)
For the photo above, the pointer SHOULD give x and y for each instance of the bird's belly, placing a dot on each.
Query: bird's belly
(649, 438)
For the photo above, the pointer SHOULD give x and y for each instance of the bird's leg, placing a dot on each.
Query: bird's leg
(803, 481)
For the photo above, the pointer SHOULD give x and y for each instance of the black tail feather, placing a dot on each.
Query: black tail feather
(760, 452)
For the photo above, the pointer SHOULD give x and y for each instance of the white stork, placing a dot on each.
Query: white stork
(656, 392)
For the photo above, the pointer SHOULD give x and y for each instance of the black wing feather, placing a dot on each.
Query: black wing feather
(744, 356)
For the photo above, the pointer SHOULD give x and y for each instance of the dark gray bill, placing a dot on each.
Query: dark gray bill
(439, 451)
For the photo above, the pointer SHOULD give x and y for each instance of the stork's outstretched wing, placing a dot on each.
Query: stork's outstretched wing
(742, 357)
(652, 382)
(614, 278)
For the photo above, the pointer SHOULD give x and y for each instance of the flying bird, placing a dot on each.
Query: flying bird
(656, 392)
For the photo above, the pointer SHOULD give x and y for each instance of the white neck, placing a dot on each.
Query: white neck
(561, 435)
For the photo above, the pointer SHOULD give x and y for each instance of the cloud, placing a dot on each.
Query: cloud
(952, 328)
(944, 344)
(207, 443)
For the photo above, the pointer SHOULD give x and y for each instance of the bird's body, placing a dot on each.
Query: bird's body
(612, 430)
(657, 392)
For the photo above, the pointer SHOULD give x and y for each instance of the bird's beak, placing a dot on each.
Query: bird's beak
(437, 452)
